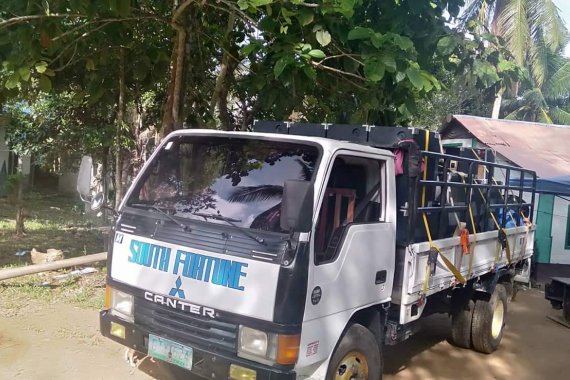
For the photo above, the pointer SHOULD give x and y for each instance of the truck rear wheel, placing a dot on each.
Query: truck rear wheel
(489, 321)
(461, 321)
(358, 356)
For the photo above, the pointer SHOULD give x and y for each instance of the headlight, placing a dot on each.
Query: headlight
(122, 303)
(268, 348)
(255, 342)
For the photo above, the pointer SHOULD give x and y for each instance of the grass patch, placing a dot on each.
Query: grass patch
(86, 291)
(52, 221)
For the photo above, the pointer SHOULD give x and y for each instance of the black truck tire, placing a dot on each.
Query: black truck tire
(566, 306)
(461, 321)
(357, 352)
(489, 321)
(510, 289)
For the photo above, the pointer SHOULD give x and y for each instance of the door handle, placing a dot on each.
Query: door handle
(381, 277)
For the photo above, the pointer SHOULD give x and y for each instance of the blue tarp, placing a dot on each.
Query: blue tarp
(553, 185)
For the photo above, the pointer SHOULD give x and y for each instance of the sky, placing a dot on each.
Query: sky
(564, 6)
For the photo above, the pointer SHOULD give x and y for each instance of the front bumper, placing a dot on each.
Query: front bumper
(207, 364)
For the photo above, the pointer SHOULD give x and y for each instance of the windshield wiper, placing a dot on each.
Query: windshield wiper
(170, 217)
(231, 222)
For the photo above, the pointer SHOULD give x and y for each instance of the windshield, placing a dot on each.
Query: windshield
(236, 178)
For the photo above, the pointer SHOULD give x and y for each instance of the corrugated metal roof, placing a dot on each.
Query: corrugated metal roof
(543, 148)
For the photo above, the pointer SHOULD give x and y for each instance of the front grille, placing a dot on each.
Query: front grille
(189, 329)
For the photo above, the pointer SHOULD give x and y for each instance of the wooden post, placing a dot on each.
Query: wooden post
(38, 268)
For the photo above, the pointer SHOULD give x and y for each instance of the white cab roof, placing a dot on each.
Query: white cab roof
(327, 144)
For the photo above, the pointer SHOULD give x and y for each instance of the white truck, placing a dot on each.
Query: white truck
(298, 251)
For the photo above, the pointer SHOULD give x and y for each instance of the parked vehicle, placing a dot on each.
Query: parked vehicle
(298, 251)
(558, 293)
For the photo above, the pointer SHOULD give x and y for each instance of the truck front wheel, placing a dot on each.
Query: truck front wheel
(358, 356)
(489, 321)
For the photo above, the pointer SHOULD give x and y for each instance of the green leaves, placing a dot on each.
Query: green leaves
(41, 67)
(421, 79)
(446, 45)
(24, 73)
(45, 83)
(12, 81)
(323, 37)
(486, 73)
(250, 48)
(403, 42)
(316, 53)
(252, 4)
(415, 77)
(305, 17)
(120, 8)
(90, 64)
(310, 72)
(280, 65)
(360, 33)
(374, 71)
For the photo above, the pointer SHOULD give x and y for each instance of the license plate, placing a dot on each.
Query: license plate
(169, 351)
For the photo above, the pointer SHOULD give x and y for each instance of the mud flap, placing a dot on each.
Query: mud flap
(523, 272)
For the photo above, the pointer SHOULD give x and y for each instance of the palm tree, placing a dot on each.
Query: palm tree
(533, 31)
(544, 104)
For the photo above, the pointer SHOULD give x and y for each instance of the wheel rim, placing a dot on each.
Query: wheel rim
(353, 366)
(498, 318)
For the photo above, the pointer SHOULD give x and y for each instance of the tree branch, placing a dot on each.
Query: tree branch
(20, 19)
(318, 65)
(235, 9)
(108, 21)
(342, 74)
(226, 51)
(351, 56)
(309, 5)
(180, 10)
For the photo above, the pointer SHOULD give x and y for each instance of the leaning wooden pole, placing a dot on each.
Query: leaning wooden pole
(38, 268)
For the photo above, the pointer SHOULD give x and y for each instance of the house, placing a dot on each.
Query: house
(540, 147)
(10, 162)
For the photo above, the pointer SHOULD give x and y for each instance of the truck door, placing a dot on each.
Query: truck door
(353, 249)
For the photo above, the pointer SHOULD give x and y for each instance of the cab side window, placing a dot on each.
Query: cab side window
(354, 194)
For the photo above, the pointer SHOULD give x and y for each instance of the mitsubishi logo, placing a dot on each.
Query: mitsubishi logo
(177, 292)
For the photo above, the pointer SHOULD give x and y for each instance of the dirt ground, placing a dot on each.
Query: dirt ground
(60, 341)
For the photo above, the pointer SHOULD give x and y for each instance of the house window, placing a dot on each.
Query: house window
(567, 236)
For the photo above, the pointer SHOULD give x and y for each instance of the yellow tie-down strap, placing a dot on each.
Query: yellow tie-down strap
(452, 268)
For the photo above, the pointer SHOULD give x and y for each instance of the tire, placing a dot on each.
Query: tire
(461, 321)
(566, 307)
(510, 288)
(357, 351)
(489, 321)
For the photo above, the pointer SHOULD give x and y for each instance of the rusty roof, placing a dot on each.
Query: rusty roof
(544, 148)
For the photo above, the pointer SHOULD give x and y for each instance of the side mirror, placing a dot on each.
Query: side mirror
(297, 206)
(84, 178)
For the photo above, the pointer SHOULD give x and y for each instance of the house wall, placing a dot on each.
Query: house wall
(543, 235)
(560, 250)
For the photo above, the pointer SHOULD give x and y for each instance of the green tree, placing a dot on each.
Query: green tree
(547, 103)
(533, 31)
(222, 64)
